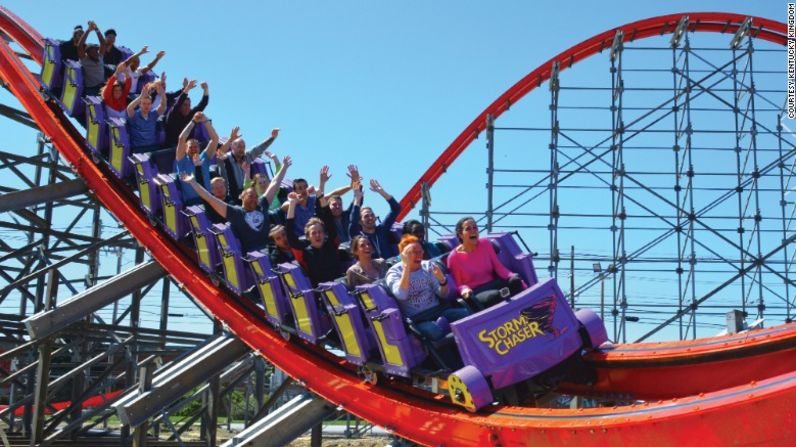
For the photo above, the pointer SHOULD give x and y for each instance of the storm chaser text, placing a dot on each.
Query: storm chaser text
(510, 334)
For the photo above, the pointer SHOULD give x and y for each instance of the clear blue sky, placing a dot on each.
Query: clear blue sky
(384, 85)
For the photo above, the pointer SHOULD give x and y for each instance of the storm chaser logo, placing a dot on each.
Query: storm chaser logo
(531, 323)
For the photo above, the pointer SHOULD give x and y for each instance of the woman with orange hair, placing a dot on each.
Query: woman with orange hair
(417, 286)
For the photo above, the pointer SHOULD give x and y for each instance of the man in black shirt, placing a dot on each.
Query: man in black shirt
(69, 47)
(180, 115)
(113, 55)
(249, 222)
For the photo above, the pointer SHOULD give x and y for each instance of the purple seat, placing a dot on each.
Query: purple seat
(148, 191)
(356, 340)
(119, 148)
(52, 70)
(268, 286)
(449, 239)
(259, 166)
(126, 52)
(400, 351)
(512, 256)
(514, 340)
(311, 323)
(174, 221)
(204, 240)
(143, 80)
(200, 133)
(237, 278)
(96, 126)
(73, 89)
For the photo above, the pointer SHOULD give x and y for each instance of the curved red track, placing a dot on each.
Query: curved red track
(717, 22)
(759, 412)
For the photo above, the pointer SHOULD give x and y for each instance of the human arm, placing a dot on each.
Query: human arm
(394, 279)
(246, 167)
(134, 103)
(182, 97)
(395, 207)
(290, 223)
(274, 159)
(182, 140)
(233, 135)
(205, 98)
(100, 37)
(154, 62)
(219, 206)
(209, 151)
(126, 63)
(81, 44)
(457, 271)
(354, 226)
(260, 148)
(353, 174)
(162, 94)
(273, 187)
(442, 290)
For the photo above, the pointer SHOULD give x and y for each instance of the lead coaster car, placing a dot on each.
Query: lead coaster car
(518, 340)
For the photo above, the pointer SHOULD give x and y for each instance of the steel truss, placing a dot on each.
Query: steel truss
(675, 174)
(54, 246)
(56, 346)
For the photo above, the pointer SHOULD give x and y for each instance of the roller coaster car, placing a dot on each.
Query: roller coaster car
(518, 340)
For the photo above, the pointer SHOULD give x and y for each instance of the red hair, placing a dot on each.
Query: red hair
(406, 240)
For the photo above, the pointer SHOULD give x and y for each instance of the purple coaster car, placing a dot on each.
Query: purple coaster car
(517, 340)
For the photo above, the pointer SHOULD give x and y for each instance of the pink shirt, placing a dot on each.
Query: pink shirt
(477, 267)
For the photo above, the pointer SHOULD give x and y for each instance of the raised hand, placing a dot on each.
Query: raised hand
(191, 84)
(325, 174)
(271, 155)
(437, 272)
(375, 186)
(199, 117)
(353, 174)
(92, 25)
(204, 86)
(234, 135)
(274, 132)
(287, 162)
(407, 256)
(187, 178)
(160, 54)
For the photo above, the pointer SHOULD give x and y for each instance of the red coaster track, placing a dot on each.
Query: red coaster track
(756, 412)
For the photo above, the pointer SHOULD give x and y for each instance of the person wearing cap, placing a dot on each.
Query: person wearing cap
(92, 61)
(69, 47)
(113, 55)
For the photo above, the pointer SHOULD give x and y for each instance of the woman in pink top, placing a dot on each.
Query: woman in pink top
(478, 272)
